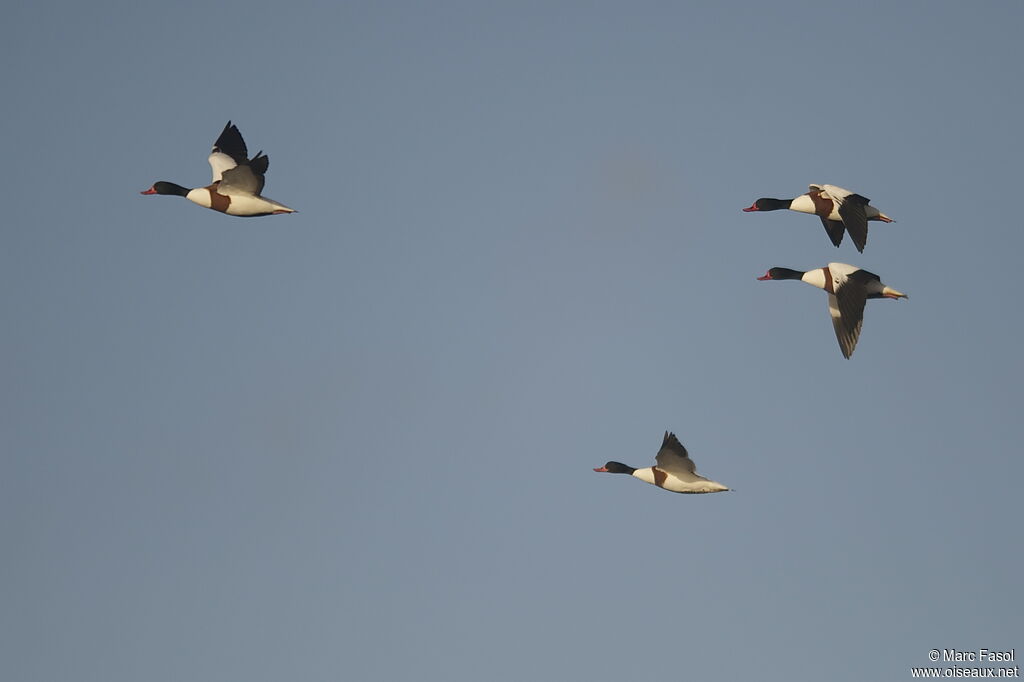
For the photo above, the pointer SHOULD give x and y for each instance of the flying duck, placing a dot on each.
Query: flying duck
(237, 180)
(674, 471)
(848, 289)
(838, 208)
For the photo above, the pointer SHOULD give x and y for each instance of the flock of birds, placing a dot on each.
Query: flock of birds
(238, 183)
(848, 288)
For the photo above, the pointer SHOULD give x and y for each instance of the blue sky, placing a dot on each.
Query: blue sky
(356, 442)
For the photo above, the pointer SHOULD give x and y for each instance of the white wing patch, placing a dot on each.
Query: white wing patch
(841, 272)
(220, 162)
(837, 193)
(833, 308)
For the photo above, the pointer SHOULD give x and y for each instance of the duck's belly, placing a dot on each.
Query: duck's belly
(247, 205)
(701, 485)
(674, 484)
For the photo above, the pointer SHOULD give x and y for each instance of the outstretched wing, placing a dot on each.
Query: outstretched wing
(228, 151)
(852, 209)
(237, 173)
(674, 459)
(855, 218)
(847, 309)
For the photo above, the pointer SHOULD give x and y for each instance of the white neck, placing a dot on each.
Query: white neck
(200, 196)
(803, 204)
(646, 475)
(815, 278)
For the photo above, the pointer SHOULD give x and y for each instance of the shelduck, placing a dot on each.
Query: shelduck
(237, 180)
(674, 471)
(848, 289)
(838, 208)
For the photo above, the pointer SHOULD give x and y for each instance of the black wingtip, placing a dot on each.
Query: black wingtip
(834, 229)
(259, 164)
(670, 440)
(230, 142)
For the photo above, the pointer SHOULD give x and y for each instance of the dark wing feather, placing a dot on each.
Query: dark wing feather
(259, 164)
(863, 277)
(834, 229)
(231, 143)
(851, 210)
(673, 456)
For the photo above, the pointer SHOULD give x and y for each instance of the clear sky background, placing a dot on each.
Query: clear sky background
(356, 443)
